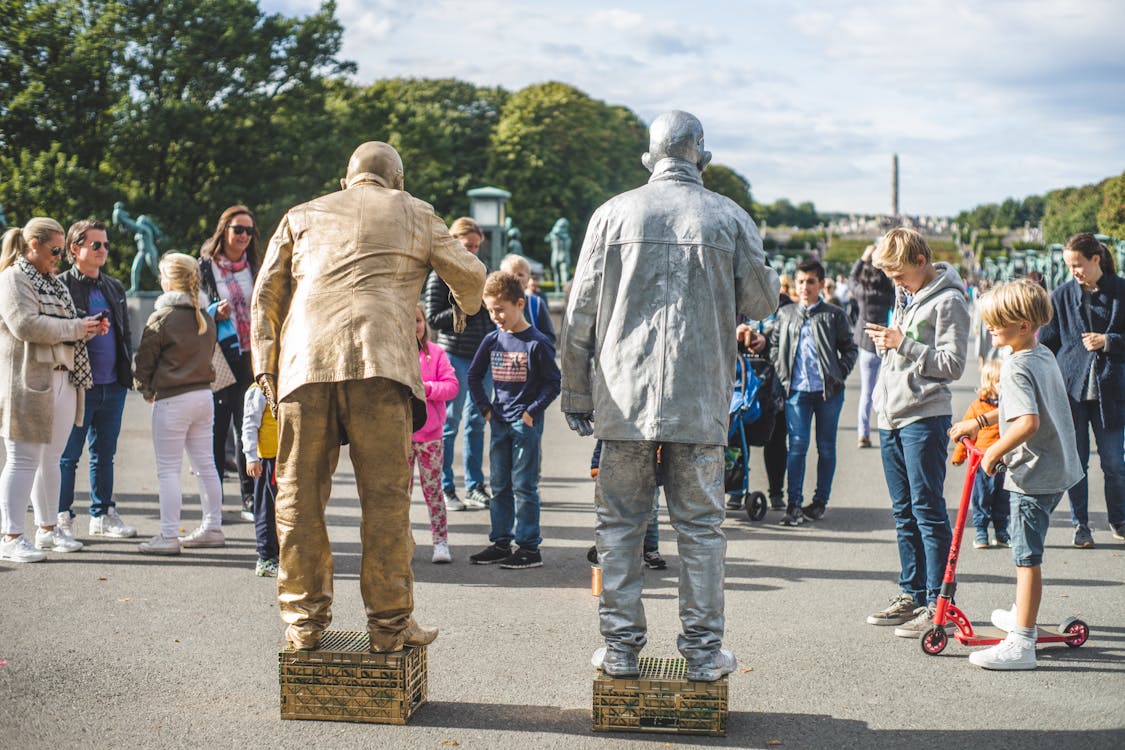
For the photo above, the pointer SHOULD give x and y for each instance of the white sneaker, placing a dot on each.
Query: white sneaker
(1014, 652)
(441, 553)
(160, 545)
(722, 662)
(65, 523)
(111, 525)
(20, 550)
(1005, 619)
(56, 540)
(202, 537)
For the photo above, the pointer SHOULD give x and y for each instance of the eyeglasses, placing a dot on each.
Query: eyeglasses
(241, 230)
(56, 251)
(99, 245)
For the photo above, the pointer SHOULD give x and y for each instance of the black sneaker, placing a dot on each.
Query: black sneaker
(814, 511)
(792, 516)
(522, 558)
(477, 498)
(734, 502)
(491, 554)
(653, 560)
(777, 502)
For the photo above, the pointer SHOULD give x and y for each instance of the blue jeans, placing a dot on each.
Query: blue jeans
(1111, 446)
(461, 408)
(514, 471)
(991, 503)
(102, 425)
(868, 376)
(914, 466)
(800, 408)
(1031, 517)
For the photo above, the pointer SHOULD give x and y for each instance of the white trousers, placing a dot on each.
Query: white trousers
(32, 469)
(180, 423)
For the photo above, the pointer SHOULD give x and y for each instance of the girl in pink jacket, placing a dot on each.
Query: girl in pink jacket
(440, 382)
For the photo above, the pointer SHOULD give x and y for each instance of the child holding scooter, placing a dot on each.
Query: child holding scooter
(1036, 444)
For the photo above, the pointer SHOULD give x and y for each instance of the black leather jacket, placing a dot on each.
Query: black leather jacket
(113, 290)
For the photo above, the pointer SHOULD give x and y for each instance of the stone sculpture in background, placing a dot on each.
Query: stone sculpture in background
(559, 237)
(145, 234)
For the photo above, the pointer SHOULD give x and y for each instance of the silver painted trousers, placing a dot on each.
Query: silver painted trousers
(693, 488)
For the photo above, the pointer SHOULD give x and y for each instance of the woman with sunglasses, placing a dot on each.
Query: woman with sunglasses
(44, 373)
(229, 265)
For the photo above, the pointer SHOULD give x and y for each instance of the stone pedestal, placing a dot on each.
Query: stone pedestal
(141, 305)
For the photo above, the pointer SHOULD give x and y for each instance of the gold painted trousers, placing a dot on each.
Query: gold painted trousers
(374, 417)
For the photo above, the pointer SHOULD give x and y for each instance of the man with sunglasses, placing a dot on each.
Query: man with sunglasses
(111, 357)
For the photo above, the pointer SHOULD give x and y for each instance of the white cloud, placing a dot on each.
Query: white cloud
(808, 99)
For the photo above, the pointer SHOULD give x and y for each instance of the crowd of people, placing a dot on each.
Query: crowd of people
(1055, 373)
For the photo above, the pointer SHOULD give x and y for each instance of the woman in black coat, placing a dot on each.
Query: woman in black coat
(875, 295)
(229, 265)
(1087, 335)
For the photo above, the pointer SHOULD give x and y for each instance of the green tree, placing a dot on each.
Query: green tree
(726, 181)
(1111, 214)
(561, 154)
(1008, 214)
(1070, 211)
(1031, 210)
(211, 120)
(440, 127)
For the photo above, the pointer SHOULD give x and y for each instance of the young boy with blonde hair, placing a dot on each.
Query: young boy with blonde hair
(923, 351)
(1036, 444)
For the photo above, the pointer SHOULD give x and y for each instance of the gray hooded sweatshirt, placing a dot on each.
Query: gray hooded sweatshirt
(914, 380)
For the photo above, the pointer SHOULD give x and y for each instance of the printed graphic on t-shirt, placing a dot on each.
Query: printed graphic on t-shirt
(509, 367)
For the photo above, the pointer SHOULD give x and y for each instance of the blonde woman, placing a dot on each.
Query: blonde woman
(44, 373)
(173, 372)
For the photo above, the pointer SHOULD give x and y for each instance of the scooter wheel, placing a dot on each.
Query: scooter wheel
(756, 506)
(1078, 631)
(934, 641)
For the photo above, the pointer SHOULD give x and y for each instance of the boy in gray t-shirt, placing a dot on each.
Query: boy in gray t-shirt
(1037, 444)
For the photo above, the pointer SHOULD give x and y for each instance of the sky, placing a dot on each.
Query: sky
(807, 99)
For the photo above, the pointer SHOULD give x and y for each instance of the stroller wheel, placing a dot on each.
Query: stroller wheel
(934, 641)
(756, 505)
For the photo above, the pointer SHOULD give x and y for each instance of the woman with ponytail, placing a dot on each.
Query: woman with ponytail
(173, 372)
(44, 374)
(1087, 335)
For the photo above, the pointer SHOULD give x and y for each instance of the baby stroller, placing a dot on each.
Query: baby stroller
(752, 413)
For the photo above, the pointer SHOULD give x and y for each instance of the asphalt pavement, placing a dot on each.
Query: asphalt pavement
(108, 648)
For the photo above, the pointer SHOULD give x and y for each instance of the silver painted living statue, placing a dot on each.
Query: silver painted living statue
(145, 234)
(559, 238)
(650, 349)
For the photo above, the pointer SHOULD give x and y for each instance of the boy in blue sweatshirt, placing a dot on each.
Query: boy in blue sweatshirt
(525, 381)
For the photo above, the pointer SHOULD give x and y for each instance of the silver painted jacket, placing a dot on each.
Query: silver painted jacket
(649, 344)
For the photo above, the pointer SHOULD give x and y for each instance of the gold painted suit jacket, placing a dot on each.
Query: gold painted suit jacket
(336, 293)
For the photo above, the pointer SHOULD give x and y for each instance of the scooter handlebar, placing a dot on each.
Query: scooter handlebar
(975, 451)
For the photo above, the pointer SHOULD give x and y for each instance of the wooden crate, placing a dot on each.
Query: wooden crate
(661, 699)
(343, 681)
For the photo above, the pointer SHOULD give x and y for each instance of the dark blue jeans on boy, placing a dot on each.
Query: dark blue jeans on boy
(800, 408)
(265, 520)
(991, 503)
(514, 475)
(914, 465)
(101, 423)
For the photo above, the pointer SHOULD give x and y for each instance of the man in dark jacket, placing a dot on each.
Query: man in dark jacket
(461, 348)
(111, 358)
(813, 351)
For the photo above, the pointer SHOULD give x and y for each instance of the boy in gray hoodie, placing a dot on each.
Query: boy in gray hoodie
(923, 351)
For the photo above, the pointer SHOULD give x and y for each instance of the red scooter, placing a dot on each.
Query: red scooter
(1072, 631)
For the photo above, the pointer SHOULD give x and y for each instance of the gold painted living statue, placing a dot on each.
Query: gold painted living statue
(334, 350)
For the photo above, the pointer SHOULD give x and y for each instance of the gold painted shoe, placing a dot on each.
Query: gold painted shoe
(412, 635)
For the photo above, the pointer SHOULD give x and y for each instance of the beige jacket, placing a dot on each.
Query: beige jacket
(335, 296)
(31, 346)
